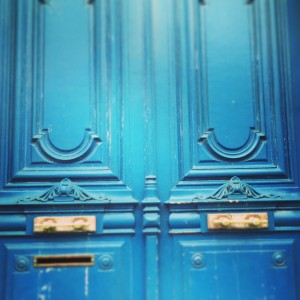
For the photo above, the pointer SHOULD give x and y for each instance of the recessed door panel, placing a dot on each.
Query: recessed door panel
(64, 61)
(236, 269)
(68, 271)
(232, 104)
(66, 109)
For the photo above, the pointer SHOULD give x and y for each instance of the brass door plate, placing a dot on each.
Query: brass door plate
(237, 221)
(65, 224)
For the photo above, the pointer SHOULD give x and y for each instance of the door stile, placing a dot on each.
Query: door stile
(151, 202)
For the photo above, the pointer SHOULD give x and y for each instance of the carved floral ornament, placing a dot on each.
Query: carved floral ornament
(63, 191)
(66, 190)
(233, 188)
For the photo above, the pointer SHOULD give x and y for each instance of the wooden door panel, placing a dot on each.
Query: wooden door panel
(104, 276)
(65, 109)
(232, 107)
(150, 117)
(235, 269)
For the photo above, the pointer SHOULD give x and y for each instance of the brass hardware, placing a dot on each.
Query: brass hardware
(48, 225)
(64, 260)
(80, 223)
(65, 224)
(238, 221)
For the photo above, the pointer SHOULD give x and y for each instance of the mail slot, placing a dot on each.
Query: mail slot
(63, 260)
(238, 221)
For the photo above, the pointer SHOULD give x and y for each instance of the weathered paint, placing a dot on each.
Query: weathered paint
(150, 116)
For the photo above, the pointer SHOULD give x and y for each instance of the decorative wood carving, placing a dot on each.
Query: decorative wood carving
(65, 191)
(245, 152)
(51, 153)
(236, 188)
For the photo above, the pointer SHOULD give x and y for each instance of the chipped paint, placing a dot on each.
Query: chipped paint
(86, 282)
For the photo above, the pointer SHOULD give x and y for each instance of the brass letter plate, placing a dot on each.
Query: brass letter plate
(72, 260)
(237, 221)
(65, 224)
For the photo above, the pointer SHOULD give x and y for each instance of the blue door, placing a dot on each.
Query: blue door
(149, 149)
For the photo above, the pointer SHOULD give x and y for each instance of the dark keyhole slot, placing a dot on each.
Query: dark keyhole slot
(63, 260)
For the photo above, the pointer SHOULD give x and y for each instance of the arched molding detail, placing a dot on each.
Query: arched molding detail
(46, 148)
(250, 148)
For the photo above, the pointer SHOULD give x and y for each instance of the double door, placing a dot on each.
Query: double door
(149, 149)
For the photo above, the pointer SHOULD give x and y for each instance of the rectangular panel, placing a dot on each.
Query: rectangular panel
(66, 57)
(59, 119)
(228, 71)
(239, 104)
(70, 122)
(64, 127)
(63, 115)
(236, 269)
(73, 270)
(232, 102)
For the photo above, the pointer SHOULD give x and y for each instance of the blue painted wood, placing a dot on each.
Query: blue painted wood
(99, 147)
(152, 267)
(208, 269)
(223, 127)
(149, 115)
(287, 219)
(62, 119)
(110, 268)
(11, 223)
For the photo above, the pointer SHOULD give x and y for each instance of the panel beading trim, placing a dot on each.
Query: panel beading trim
(8, 64)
